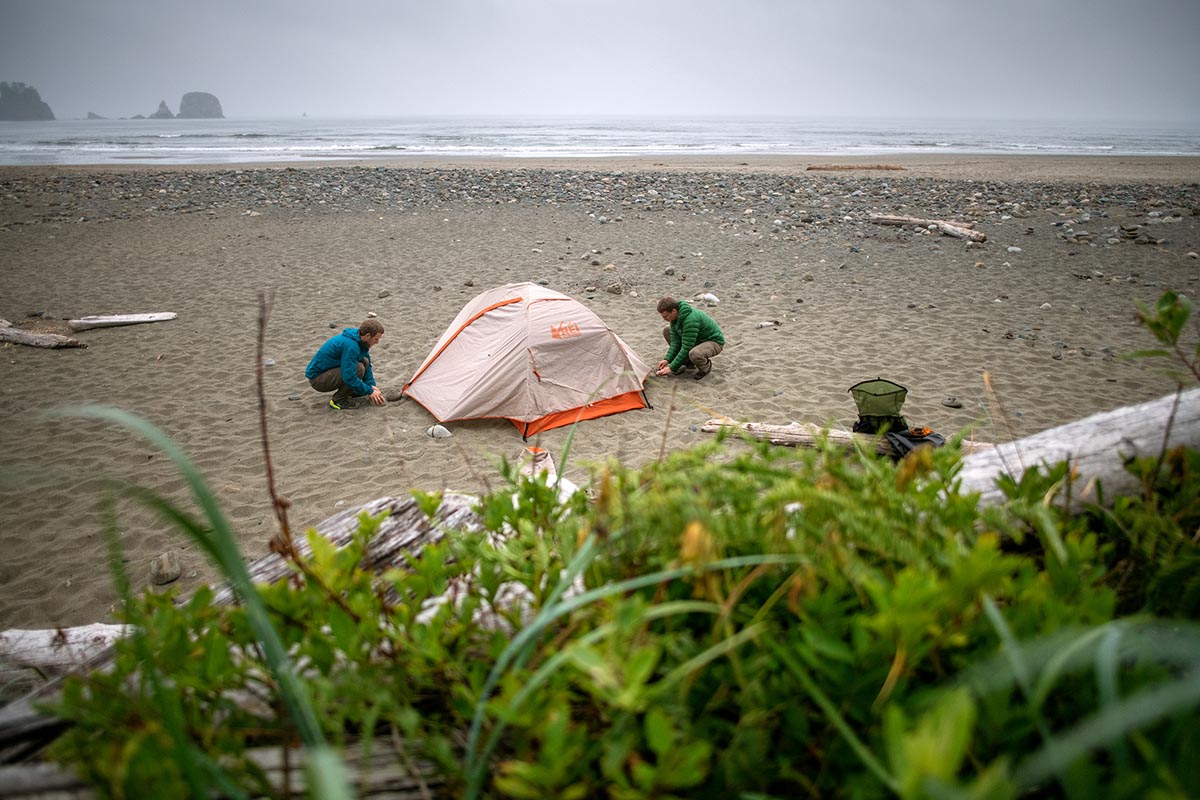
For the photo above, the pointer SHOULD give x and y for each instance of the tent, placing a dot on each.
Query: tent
(531, 355)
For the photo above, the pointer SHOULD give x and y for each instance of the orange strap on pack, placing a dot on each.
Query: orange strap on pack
(920, 431)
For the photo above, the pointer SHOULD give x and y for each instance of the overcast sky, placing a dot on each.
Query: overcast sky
(1073, 59)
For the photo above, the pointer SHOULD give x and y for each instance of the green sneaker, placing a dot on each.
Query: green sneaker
(334, 404)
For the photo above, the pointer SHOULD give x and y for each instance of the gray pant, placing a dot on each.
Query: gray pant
(700, 355)
(331, 381)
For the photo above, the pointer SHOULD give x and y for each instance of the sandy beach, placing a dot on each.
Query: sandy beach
(1046, 307)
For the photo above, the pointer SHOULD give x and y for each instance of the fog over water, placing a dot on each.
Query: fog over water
(1068, 59)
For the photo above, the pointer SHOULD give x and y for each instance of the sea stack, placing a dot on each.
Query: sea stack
(163, 112)
(200, 105)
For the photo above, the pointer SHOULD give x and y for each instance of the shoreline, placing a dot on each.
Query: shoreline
(1116, 169)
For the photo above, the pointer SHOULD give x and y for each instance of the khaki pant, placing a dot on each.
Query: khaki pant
(700, 355)
(331, 381)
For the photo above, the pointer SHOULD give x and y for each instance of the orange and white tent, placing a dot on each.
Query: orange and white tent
(531, 355)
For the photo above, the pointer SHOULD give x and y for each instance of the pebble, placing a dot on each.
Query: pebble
(268, 362)
(1193, 255)
(770, 323)
(294, 396)
(1014, 249)
(438, 432)
(383, 293)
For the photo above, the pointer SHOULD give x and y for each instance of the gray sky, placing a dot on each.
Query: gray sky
(1073, 59)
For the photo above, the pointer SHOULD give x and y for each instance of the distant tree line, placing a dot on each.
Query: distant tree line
(21, 102)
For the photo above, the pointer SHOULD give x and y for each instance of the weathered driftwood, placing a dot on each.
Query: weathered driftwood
(58, 650)
(798, 434)
(34, 339)
(1097, 446)
(116, 320)
(959, 230)
(403, 534)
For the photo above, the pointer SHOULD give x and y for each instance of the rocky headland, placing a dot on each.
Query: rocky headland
(21, 103)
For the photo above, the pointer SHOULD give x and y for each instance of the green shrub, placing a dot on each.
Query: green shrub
(765, 624)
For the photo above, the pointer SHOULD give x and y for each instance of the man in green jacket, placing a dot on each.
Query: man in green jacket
(693, 338)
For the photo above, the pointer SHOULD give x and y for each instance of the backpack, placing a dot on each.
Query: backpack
(905, 441)
(879, 402)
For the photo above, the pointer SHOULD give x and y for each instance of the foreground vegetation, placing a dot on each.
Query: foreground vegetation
(731, 622)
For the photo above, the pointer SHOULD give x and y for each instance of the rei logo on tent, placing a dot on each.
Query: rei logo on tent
(565, 330)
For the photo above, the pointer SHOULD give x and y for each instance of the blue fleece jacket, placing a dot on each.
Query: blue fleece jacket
(344, 351)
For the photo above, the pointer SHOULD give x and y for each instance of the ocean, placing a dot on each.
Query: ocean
(232, 141)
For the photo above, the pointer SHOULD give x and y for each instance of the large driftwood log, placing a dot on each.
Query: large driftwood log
(959, 230)
(403, 534)
(32, 339)
(798, 434)
(1097, 446)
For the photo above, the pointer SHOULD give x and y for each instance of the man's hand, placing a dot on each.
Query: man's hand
(663, 370)
(377, 397)
(661, 364)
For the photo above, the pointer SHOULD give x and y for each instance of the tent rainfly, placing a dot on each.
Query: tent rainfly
(531, 355)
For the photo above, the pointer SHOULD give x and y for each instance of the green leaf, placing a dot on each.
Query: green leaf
(660, 734)
(345, 633)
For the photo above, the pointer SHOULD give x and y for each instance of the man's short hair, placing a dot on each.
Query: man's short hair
(668, 304)
(370, 328)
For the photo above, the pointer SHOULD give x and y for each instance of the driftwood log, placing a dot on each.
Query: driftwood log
(56, 651)
(798, 434)
(1097, 447)
(34, 339)
(117, 320)
(959, 230)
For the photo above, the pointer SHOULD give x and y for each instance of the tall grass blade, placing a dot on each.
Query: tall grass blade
(833, 715)
(1111, 724)
(220, 544)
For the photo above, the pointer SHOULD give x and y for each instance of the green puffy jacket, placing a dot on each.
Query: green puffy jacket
(689, 329)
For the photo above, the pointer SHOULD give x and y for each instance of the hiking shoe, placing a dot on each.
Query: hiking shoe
(701, 373)
(334, 404)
